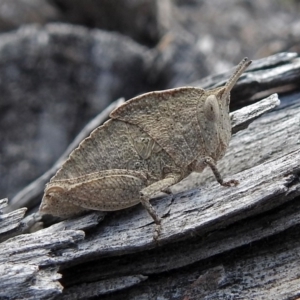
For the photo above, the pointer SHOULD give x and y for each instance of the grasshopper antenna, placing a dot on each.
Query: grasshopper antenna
(242, 66)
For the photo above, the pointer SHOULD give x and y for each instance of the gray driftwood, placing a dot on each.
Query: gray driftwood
(217, 243)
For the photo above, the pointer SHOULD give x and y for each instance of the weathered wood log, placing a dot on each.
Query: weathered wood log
(23, 257)
(216, 242)
(202, 224)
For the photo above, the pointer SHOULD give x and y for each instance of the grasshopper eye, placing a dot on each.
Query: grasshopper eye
(211, 108)
(54, 189)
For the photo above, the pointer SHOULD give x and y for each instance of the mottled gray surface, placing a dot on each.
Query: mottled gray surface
(16, 13)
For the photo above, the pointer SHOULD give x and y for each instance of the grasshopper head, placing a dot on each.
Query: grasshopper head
(216, 111)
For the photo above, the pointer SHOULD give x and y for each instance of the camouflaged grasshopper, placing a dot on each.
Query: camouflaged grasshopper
(150, 143)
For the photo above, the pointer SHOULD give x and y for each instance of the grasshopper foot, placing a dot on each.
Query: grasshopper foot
(230, 183)
(209, 161)
(157, 232)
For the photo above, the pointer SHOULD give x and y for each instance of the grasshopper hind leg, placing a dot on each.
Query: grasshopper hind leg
(145, 202)
(149, 192)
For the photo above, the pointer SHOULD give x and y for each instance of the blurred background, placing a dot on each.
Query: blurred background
(63, 61)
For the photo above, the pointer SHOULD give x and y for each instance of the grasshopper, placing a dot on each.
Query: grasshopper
(150, 143)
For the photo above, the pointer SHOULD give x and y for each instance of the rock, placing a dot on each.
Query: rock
(19, 12)
(143, 20)
(54, 79)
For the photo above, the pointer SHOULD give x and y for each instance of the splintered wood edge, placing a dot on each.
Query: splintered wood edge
(22, 261)
(241, 118)
(18, 280)
(10, 223)
(20, 270)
